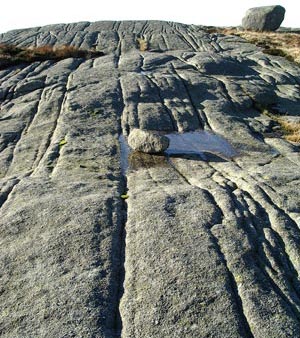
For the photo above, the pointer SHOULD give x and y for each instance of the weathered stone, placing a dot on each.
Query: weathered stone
(265, 18)
(147, 141)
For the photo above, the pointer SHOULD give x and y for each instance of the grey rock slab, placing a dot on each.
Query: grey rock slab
(176, 281)
(57, 242)
(61, 214)
(212, 242)
(265, 18)
(245, 215)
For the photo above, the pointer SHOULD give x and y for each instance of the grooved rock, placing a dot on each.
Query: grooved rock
(265, 18)
(189, 246)
(147, 141)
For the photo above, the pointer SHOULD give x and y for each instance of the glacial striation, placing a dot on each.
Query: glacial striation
(173, 245)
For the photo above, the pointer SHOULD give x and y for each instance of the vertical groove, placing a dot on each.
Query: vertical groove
(123, 189)
(5, 194)
(201, 123)
(233, 285)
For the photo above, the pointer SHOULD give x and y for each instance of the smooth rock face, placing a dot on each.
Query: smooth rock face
(184, 246)
(265, 18)
(147, 141)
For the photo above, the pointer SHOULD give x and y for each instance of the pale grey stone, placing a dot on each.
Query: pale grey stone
(147, 141)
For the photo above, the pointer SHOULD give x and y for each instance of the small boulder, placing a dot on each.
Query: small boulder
(265, 18)
(147, 141)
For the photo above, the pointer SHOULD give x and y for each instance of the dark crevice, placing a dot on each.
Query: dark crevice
(124, 128)
(108, 320)
(118, 324)
(119, 48)
(5, 194)
(123, 191)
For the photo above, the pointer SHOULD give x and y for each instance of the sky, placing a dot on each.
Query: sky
(30, 13)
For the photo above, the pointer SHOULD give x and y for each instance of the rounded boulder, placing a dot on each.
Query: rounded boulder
(147, 141)
(265, 18)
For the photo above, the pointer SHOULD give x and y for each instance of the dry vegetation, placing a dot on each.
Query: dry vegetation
(142, 44)
(12, 55)
(274, 43)
(291, 130)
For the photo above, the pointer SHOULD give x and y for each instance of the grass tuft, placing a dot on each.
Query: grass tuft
(142, 44)
(291, 130)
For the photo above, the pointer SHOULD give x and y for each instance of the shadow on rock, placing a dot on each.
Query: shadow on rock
(138, 160)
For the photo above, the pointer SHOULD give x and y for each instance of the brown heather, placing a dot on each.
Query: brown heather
(12, 55)
(142, 44)
(291, 130)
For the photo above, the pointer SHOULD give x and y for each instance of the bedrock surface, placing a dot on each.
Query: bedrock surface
(204, 246)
